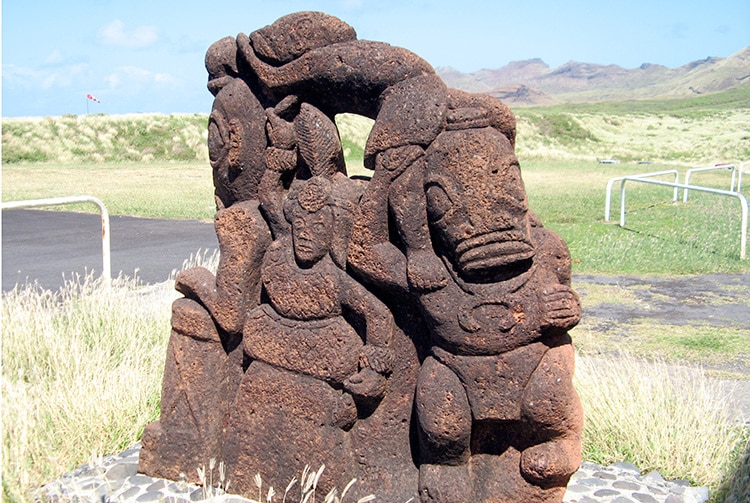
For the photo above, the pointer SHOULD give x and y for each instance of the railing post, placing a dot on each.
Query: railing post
(685, 187)
(742, 170)
(56, 201)
(611, 181)
(707, 168)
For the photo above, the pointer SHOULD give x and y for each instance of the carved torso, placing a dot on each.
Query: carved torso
(296, 293)
(473, 319)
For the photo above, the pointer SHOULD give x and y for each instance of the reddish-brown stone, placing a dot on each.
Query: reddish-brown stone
(409, 331)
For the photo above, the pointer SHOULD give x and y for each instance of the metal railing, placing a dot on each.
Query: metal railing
(685, 187)
(56, 201)
(611, 182)
(742, 170)
(715, 167)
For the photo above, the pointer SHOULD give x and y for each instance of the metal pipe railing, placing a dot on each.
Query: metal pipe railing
(56, 201)
(742, 199)
(708, 168)
(742, 170)
(610, 183)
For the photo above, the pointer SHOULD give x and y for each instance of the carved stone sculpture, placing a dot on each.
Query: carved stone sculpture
(409, 331)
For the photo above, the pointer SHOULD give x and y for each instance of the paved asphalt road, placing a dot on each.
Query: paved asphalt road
(46, 246)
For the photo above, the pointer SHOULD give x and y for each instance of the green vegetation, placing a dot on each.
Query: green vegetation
(732, 99)
(661, 237)
(354, 130)
(692, 131)
(76, 383)
(559, 127)
(158, 189)
(638, 411)
(105, 139)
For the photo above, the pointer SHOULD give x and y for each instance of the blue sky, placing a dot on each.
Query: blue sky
(147, 55)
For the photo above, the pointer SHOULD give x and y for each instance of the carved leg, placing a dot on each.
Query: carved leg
(193, 403)
(444, 418)
(280, 421)
(553, 411)
(243, 239)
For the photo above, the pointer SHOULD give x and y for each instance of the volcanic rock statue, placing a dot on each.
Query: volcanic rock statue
(408, 330)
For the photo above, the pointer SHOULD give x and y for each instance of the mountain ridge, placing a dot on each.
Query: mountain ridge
(533, 82)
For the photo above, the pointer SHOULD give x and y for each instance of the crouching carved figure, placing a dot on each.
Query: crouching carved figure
(409, 331)
(498, 418)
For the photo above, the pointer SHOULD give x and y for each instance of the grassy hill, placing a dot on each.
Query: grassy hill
(689, 131)
(105, 138)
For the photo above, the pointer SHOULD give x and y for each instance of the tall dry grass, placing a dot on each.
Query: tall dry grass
(106, 138)
(81, 375)
(81, 372)
(673, 419)
(544, 133)
(82, 369)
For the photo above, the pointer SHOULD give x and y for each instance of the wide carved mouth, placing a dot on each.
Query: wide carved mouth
(492, 250)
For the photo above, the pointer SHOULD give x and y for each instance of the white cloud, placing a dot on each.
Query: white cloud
(115, 34)
(65, 77)
(20, 76)
(54, 57)
(134, 77)
(31, 78)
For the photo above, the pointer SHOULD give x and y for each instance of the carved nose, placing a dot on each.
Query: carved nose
(502, 220)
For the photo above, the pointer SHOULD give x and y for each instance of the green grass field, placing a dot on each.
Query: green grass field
(661, 237)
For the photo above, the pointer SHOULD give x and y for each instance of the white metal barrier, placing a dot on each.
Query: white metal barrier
(742, 170)
(55, 201)
(685, 187)
(611, 182)
(689, 172)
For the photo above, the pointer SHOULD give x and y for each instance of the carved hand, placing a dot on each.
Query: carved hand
(378, 358)
(562, 308)
(425, 271)
(197, 283)
(395, 161)
(366, 384)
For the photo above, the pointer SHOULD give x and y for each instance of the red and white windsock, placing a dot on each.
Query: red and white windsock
(92, 98)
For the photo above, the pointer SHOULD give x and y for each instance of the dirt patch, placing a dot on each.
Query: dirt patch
(716, 299)
(614, 307)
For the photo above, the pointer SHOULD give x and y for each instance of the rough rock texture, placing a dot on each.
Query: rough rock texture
(409, 331)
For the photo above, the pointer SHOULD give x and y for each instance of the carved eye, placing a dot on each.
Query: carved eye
(438, 202)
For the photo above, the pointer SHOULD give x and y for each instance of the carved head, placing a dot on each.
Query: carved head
(293, 35)
(309, 212)
(221, 64)
(476, 202)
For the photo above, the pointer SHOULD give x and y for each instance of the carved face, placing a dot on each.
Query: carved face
(476, 201)
(311, 235)
(236, 142)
